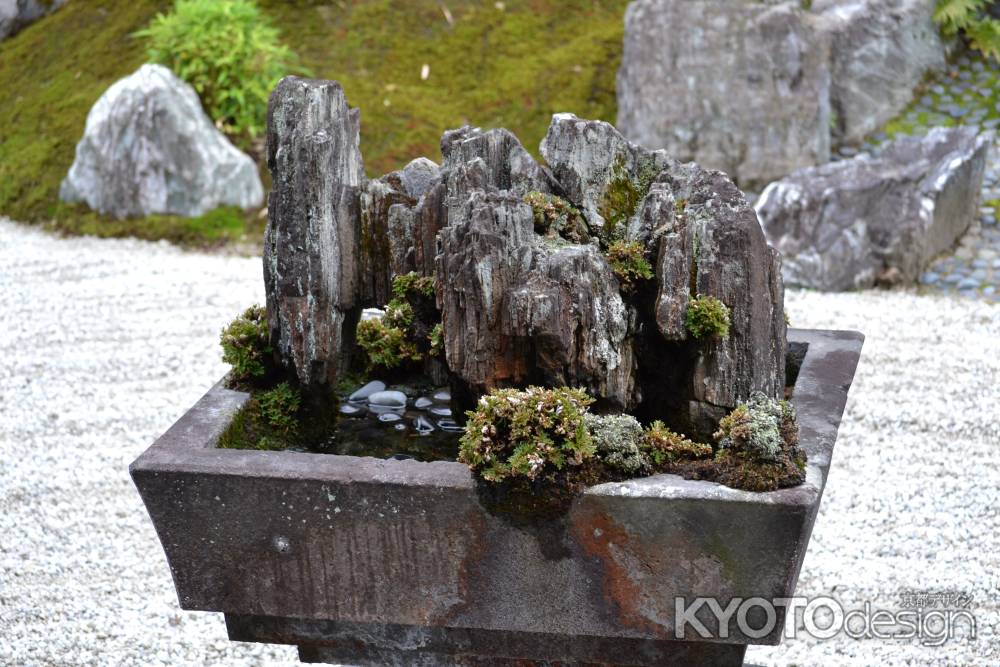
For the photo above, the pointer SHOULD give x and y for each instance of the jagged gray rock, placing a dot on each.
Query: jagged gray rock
(519, 310)
(848, 224)
(705, 240)
(17, 14)
(518, 306)
(880, 51)
(148, 148)
(312, 246)
(753, 88)
(737, 85)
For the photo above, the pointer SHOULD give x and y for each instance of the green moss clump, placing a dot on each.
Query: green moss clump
(436, 339)
(628, 261)
(281, 418)
(532, 434)
(268, 421)
(280, 407)
(618, 440)
(411, 284)
(758, 446)
(398, 314)
(246, 345)
(622, 196)
(557, 218)
(707, 318)
(405, 334)
(664, 447)
(385, 346)
(758, 429)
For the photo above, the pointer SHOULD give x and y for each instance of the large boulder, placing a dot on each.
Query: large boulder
(148, 148)
(880, 50)
(16, 14)
(313, 240)
(736, 85)
(846, 225)
(759, 89)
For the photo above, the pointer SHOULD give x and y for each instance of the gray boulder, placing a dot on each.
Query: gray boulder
(16, 14)
(312, 244)
(736, 85)
(148, 148)
(759, 89)
(880, 50)
(847, 225)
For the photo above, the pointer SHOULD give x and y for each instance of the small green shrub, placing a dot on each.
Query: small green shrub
(406, 332)
(398, 314)
(246, 345)
(628, 261)
(228, 51)
(385, 346)
(618, 441)
(279, 407)
(973, 20)
(555, 217)
(665, 447)
(707, 317)
(529, 434)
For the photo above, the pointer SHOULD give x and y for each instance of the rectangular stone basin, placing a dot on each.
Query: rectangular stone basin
(372, 562)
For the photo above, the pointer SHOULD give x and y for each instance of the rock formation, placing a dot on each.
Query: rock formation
(759, 89)
(17, 14)
(521, 305)
(313, 241)
(846, 225)
(148, 148)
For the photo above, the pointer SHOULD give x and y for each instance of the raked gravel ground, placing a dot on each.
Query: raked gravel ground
(103, 344)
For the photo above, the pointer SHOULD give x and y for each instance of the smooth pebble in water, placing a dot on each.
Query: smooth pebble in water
(450, 425)
(366, 391)
(351, 410)
(422, 426)
(387, 401)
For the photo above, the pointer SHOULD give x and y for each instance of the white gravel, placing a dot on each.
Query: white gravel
(106, 343)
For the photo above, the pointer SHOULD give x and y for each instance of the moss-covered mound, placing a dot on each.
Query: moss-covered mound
(509, 64)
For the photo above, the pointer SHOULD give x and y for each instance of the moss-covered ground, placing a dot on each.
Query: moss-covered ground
(510, 64)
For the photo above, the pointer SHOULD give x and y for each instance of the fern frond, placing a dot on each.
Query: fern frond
(956, 15)
(984, 36)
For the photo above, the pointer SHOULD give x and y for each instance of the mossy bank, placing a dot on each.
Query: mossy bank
(510, 64)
